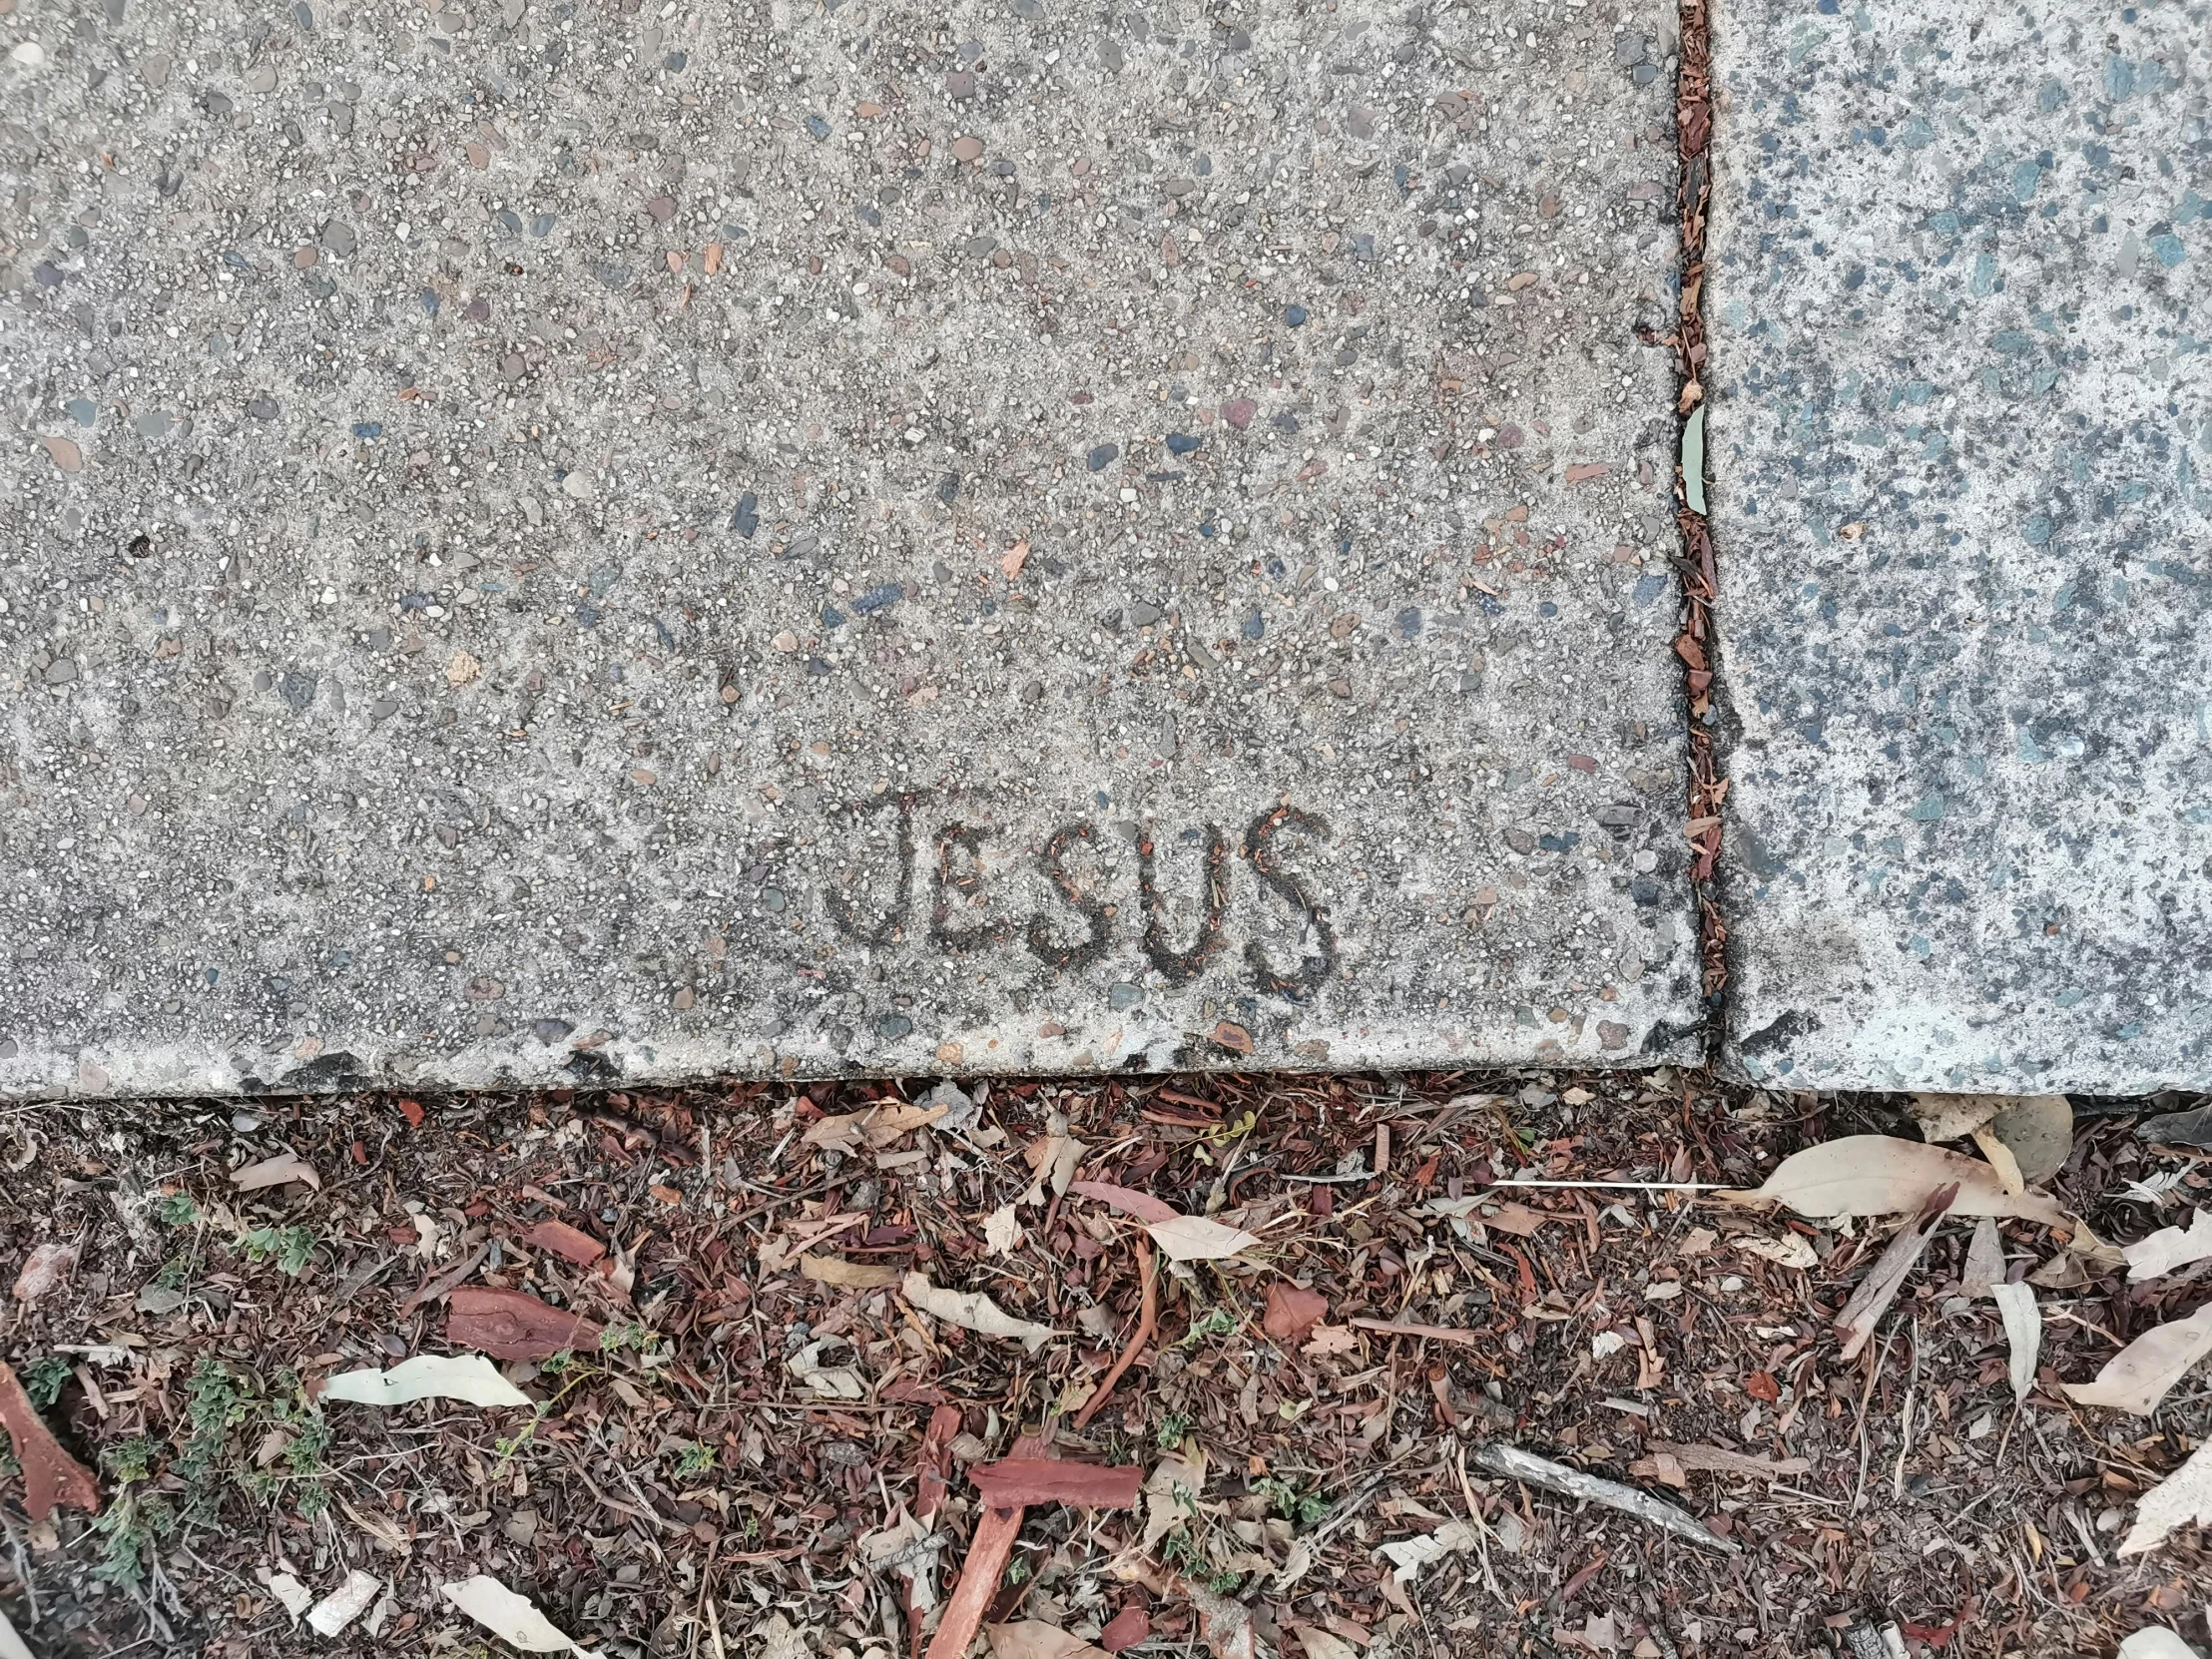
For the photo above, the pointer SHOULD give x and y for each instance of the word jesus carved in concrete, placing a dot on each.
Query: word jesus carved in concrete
(1088, 923)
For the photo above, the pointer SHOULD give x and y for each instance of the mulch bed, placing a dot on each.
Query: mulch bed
(734, 1463)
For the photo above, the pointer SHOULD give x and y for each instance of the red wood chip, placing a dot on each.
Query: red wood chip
(509, 1325)
(1018, 1480)
(1292, 1312)
(1129, 1627)
(50, 1474)
(571, 1243)
(1127, 1199)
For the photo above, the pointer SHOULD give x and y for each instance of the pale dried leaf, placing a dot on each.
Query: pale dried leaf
(11, 1645)
(2136, 1379)
(2039, 1131)
(1952, 1117)
(884, 1124)
(1002, 1229)
(294, 1596)
(2165, 1249)
(1198, 1239)
(1985, 1259)
(510, 1617)
(1330, 1338)
(2000, 1159)
(855, 1276)
(1880, 1175)
(45, 1271)
(2155, 1641)
(1035, 1639)
(2183, 1497)
(973, 1311)
(1792, 1250)
(469, 1377)
(2023, 1331)
(345, 1603)
(1409, 1556)
(835, 1134)
(830, 1382)
(276, 1172)
(1318, 1644)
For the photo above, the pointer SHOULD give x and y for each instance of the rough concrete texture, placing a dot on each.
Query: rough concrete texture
(1962, 412)
(555, 541)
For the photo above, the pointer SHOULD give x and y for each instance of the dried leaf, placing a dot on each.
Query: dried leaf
(855, 1276)
(2039, 1131)
(50, 1475)
(1952, 1117)
(571, 1243)
(469, 1377)
(1197, 1239)
(830, 1382)
(1318, 1644)
(2155, 1641)
(1125, 1199)
(12, 1646)
(1856, 1324)
(835, 1134)
(1126, 1629)
(1984, 1267)
(1409, 1556)
(1330, 1338)
(1034, 1639)
(884, 1124)
(512, 1618)
(1015, 1482)
(1292, 1312)
(295, 1597)
(276, 1172)
(45, 1271)
(2023, 1331)
(1002, 1229)
(1792, 1250)
(345, 1603)
(513, 1325)
(2182, 1499)
(2165, 1249)
(1431, 1333)
(2000, 1159)
(1711, 1459)
(1879, 1175)
(2136, 1379)
(973, 1311)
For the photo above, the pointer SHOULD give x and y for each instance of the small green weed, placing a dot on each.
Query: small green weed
(293, 1246)
(1173, 1427)
(177, 1210)
(1216, 1321)
(696, 1459)
(1300, 1508)
(43, 1378)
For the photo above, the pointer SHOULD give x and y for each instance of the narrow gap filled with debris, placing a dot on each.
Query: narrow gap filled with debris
(1621, 1364)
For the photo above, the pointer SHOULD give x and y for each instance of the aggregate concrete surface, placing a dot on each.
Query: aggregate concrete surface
(562, 542)
(1960, 293)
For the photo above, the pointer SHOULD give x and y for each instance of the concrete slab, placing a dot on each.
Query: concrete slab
(791, 538)
(1961, 417)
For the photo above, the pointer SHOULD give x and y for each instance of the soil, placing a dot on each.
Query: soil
(722, 1470)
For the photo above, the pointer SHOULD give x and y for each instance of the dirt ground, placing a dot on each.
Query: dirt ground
(729, 1458)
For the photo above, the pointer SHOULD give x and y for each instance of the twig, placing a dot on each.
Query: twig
(1856, 1324)
(1866, 1395)
(1904, 1419)
(1623, 1185)
(1135, 1343)
(1517, 1464)
(990, 1550)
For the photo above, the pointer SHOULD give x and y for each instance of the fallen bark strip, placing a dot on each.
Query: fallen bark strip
(1145, 1323)
(1517, 1464)
(991, 1548)
(50, 1475)
(1019, 1481)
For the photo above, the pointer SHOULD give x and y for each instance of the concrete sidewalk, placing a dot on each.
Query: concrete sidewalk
(962, 538)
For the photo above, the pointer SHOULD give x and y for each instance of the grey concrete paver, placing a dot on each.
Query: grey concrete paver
(562, 542)
(1960, 301)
